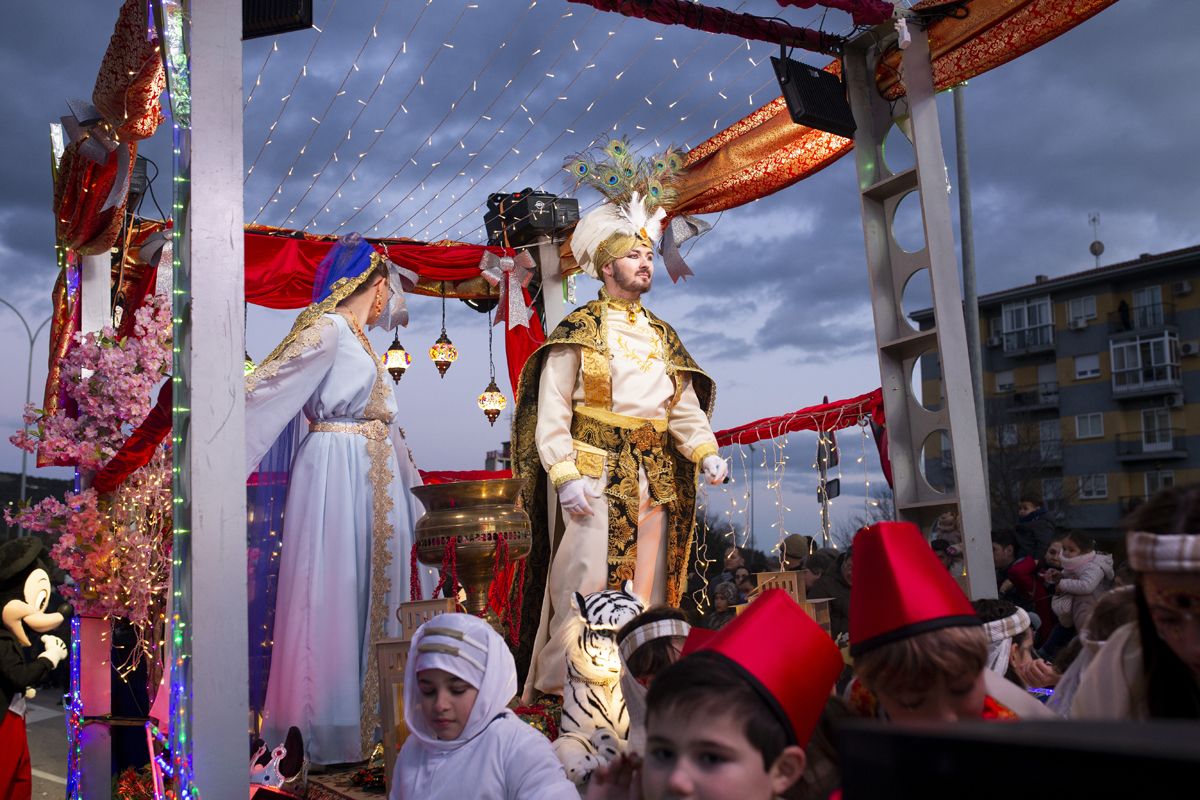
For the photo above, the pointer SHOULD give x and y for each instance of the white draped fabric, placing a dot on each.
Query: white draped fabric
(347, 535)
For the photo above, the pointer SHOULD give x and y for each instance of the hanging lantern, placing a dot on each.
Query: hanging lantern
(248, 366)
(492, 402)
(443, 353)
(396, 359)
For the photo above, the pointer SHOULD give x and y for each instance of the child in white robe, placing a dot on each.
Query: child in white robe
(463, 740)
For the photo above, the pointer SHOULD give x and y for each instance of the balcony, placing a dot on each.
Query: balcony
(1038, 397)
(1028, 341)
(1156, 444)
(1148, 380)
(1142, 319)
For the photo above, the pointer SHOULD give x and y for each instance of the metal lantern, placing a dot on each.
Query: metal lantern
(492, 402)
(443, 353)
(396, 359)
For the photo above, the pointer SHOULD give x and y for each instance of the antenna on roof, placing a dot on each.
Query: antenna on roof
(1097, 246)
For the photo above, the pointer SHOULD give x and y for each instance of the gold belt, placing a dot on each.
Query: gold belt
(374, 429)
(621, 420)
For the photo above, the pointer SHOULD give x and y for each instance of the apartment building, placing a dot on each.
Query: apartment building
(1091, 387)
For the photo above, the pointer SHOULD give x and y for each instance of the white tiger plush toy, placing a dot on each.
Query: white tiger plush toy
(595, 723)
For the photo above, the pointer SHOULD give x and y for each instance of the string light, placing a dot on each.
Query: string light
(287, 97)
(341, 90)
(517, 24)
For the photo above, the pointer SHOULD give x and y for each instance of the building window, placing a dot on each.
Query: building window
(1159, 479)
(1008, 435)
(1146, 362)
(995, 327)
(1087, 366)
(1082, 309)
(1093, 487)
(1050, 439)
(1157, 435)
(1004, 381)
(1028, 324)
(1147, 307)
(1089, 426)
(1052, 492)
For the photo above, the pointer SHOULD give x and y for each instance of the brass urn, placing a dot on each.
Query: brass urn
(475, 515)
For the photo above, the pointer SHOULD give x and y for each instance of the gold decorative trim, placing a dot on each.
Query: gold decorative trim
(373, 429)
(590, 464)
(564, 471)
(704, 451)
(300, 340)
(659, 424)
(379, 453)
(597, 378)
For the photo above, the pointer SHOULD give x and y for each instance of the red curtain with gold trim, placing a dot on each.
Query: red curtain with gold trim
(765, 152)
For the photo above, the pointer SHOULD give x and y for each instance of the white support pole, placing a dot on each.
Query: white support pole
(95, 645)
(970, 478)
(552, 283)
(214, 463)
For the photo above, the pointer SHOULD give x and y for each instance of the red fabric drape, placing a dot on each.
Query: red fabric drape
(519, 344)
(139, 447)
(280, 269)
(823, 417)
(712, 19)
(864, 12)
(454, 476)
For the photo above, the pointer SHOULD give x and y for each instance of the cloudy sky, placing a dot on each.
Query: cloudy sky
(399, 117)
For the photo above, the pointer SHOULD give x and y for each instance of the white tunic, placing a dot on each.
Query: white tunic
(325, 606)
(508, 760)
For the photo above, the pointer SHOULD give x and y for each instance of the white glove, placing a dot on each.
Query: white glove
(714, 468)
(55, 651)
(574, 496)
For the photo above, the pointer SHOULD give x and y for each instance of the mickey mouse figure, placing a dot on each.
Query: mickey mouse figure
(24, 594)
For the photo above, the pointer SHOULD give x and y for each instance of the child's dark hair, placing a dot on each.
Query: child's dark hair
(705, 684)
(657, 654)
(1171, 690)
(1085, 543)
(1005, 538)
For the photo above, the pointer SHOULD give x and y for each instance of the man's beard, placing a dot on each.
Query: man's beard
(629, 283)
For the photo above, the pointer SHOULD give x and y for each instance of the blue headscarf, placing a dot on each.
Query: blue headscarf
(350, 257)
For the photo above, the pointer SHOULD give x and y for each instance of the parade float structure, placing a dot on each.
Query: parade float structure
(209, 262)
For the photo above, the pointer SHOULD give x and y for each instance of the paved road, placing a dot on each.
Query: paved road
(47, 733)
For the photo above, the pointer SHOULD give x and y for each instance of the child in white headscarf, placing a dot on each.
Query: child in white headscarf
(463, 740)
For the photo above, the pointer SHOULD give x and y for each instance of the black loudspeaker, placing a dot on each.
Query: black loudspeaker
(526, 214)
(814, 97)
(272, 17)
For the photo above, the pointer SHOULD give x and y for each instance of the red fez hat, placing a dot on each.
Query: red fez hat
(788, 659)
(900, 588)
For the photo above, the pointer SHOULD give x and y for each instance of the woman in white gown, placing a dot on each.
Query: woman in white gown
(348, 518)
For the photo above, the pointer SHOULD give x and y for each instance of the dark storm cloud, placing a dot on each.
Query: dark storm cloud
(1102, 119)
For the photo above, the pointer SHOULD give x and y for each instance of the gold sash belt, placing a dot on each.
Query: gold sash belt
(373, 429)
(621, 420)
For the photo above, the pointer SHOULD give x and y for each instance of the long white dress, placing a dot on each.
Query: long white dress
(347, 535)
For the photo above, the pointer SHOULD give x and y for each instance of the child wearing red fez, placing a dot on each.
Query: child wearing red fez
(730, 720)
(920, 652)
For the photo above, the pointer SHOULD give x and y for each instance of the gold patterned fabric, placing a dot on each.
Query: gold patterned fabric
(765, 151)
(629, 450)
(585, 327)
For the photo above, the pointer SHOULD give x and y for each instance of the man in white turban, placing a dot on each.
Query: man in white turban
(616, 413)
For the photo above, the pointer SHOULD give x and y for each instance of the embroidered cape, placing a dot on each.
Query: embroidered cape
(585, 327)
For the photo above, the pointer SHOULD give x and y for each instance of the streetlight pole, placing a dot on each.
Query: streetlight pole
(32, 335)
